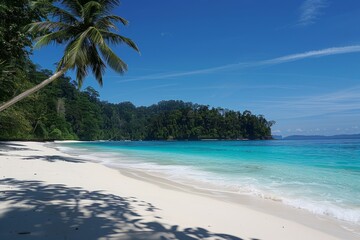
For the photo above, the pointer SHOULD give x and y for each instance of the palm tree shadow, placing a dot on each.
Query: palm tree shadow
(9, 146)
(54, 211)
(54, 158)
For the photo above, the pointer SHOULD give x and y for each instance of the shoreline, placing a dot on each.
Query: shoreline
(173, 204)
(268, 206)
(165, 164)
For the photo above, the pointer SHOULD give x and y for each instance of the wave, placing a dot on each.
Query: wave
(327, 209)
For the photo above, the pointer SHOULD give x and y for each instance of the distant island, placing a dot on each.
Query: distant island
(320, 137)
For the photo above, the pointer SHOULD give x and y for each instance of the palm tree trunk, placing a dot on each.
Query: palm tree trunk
(32, 90)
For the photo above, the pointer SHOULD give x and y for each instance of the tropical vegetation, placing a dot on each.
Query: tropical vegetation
(62, 111)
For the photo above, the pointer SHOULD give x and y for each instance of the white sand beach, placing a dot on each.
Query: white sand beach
(47, 194)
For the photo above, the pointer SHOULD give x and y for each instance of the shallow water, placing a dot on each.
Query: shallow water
(321, 176)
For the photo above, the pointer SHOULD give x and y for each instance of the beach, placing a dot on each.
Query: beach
(49, 194)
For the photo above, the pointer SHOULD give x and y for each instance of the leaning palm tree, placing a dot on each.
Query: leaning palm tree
(86, 27)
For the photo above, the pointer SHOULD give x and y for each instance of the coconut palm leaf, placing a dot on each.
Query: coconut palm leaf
(90, 9)
(56, 37)
(118, 39)
(54, 11)
(62, 14)
(41, 27)
(74, 6)
(97, 64)
(108, 22)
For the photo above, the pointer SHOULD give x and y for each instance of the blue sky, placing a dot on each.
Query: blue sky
(296, 62)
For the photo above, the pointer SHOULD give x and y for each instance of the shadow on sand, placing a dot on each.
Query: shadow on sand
(54, 158)
(7, 147)
(10, 146)
(40, 211)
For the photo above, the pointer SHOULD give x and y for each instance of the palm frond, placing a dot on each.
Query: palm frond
(97, 64)
(81, 73)
(118, 39)
(55, 11)
(95, 36)
(89, 9)
(76, 54)
(63, 63)
(109, 4)
(107, 22)
(63, 15)
(110, 57)
(74, 6)
(51, 37)
(45, 26)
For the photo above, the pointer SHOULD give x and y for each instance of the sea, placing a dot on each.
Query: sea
(319, 176)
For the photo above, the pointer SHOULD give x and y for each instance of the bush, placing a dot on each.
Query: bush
(55, 134)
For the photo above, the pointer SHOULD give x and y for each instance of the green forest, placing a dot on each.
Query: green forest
(63, 111)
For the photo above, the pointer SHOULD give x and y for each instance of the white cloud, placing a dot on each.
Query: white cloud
(346, 101)
(310, 10)
(310, 54)
(242, 65)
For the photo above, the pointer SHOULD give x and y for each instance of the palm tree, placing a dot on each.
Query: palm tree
(86, 27)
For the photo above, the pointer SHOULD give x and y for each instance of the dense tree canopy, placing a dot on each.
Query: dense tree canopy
(61, 111)
(15, 43)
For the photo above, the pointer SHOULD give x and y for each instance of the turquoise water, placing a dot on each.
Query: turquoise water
(321, 176)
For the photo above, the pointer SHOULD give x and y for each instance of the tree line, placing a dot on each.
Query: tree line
(61, 111)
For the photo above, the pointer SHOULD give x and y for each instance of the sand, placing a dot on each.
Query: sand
(47, 194)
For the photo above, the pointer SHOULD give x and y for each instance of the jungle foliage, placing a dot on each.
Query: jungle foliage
(62, 111)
